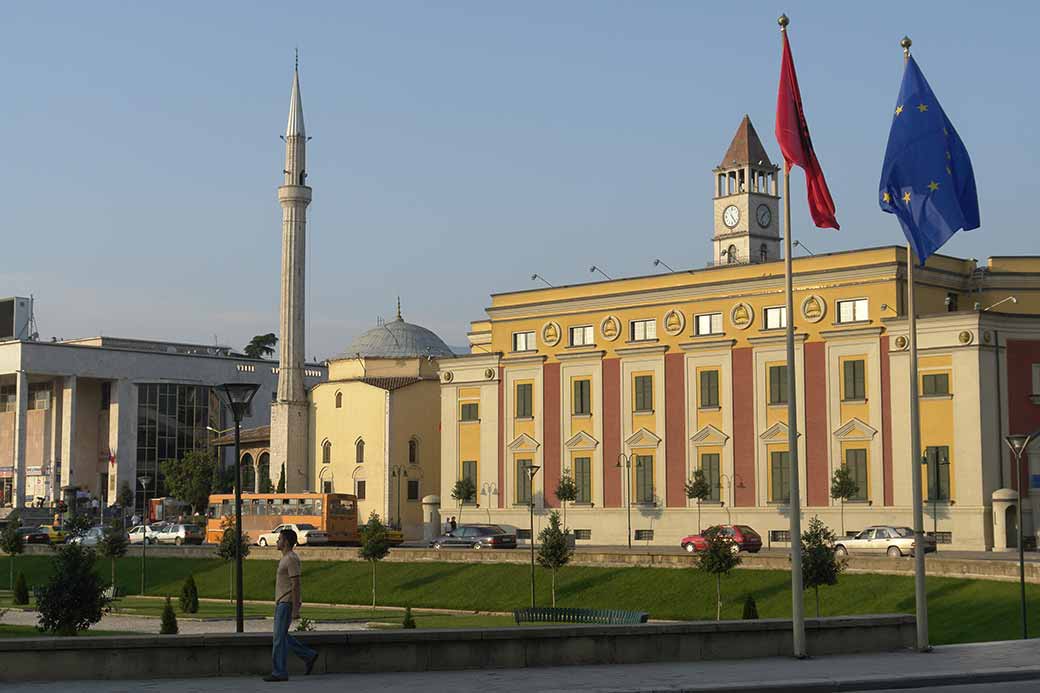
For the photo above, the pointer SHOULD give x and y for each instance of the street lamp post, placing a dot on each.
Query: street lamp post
(238, 396)
(488, 488)
(625, 461)
(143, 480)
(532, 469)
(1018, 444)
(399, 471)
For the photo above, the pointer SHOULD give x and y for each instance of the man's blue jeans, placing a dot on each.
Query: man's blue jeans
(282, 641)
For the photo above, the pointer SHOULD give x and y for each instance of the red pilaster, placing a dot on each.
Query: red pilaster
(817, 486)
(611, 432)
(744, 426)
(501, 436)
(886, 422)
(1023, 415)
(675, 430)
(551, 432)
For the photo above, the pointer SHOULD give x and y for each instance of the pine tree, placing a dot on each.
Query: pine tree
(189, 596)
(21, 591)
(169, 620)
(820, 565)
(114, 544)
(750, 608)
(554, 551)
(409, 621)
(12, 543)
(281, 481)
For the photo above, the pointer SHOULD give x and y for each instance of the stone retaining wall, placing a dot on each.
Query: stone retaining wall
(148, 657)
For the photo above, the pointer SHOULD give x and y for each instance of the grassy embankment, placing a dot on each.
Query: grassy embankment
(960, 610)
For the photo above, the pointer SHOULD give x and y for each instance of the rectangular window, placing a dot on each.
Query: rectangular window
(855, 380)
(776, 318)
(470, 411)
(106, 395)
(524, 400)
(712, 469)
(582, 336)
(413, 490)
(644, 479)
(583, 479)
(853, 311)
(708, 323)
(780, 477)
(951, 302)
(642, 330)
(40, 396)
(856, 461)
(937, 458)
(523, 341)
(326, 486)
(8, 398)
(778, 384)
(583, 534)
(935, 384)
(582, 397)
(523, 482)
(709, 389)
(644, 387)
(469, 470)
(359, 490)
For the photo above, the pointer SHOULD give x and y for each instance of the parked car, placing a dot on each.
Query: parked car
(139, 534)
(476, 537)
(56, 534)
(883, 539)
(743, 537)
(180, 534)
(34, 535)
(92, 537)
(306, 535)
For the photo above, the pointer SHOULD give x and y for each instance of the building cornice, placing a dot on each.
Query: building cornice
(580, 355)
(709, 344)
(776, 339)
(852, 332)
(641, 350)
(530, 360)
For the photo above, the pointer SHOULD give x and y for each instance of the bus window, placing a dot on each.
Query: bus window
(317, 506)
(306, 506)
(341, 506)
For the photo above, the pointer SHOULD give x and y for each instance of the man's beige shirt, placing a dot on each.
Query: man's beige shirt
(288, 568)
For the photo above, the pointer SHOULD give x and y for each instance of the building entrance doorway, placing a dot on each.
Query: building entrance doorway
(6, 491)
(1011, 523)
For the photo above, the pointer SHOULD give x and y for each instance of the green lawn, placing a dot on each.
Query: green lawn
(7, 631)
(961, 610)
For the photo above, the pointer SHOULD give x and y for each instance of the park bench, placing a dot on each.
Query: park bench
(548, 614)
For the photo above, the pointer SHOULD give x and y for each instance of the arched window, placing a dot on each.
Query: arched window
(359, 451)
(413, 451)
(339, 400)
(264, 473)
(326, 452)
(731, 254)
(248, 474)
(764, 252)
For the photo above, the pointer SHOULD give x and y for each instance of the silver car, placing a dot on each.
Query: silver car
(883, 539)
(92, 537)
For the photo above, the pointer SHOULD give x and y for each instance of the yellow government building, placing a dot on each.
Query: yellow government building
(631, 385)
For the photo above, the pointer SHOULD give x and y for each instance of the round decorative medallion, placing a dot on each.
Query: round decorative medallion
(742, 315)
(448, 376)
(489, 373)
(674, 322)
(551, 333)
(965, 337)
(610, 328)
(902, 342)
(814, 308)
(987, 336)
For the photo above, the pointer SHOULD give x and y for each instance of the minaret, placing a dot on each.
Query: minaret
(289, 412)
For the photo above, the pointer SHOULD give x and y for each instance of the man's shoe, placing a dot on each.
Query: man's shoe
(271, 677)
(310, 664)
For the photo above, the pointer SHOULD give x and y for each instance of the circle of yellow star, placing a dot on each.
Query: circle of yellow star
(949, 170)
(922, 107)
(933, 186)
(906, 197)
(899, 109)
(885, 197)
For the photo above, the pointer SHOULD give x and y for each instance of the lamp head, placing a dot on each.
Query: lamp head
(1017, 442)
(238, 397)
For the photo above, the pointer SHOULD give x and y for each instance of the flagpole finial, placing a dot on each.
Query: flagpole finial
(906, 43)
(783, 21)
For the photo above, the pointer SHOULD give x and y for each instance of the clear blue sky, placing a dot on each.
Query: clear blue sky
(456, 149)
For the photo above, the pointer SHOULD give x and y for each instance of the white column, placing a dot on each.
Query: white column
(53, 450)
(21, 408)
(122, 436)
(69, 394)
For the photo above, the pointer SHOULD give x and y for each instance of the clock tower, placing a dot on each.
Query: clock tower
(747, 224)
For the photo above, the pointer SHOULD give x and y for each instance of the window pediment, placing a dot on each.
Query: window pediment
(855, 429)
(643, 439)
(581, 441)
(709, 435)
(775, 433)
(524, 443)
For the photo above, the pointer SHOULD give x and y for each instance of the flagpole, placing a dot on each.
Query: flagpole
(797, 602)
(920, 590)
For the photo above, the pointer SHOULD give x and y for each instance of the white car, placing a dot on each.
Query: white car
(306, 535)
(136, 535)
(882, 539)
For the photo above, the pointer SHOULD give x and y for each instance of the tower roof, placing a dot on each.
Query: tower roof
(295, 127)
(745, 148)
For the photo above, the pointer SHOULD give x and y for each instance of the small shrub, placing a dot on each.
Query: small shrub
(408, 621)
(169, 620)
(750, 608)
(304, 625)
(21, 591)
(189, 596)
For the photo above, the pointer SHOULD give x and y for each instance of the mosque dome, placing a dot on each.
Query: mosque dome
(397, 339)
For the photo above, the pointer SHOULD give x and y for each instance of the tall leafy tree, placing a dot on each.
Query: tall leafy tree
(12, 542)
(261, 345)
(113, 545)
(843, 487)
(554, 551)
(820, 564)
(375, 545)
(190, 478)
(698, 488)
(464, 491)
(566, 492)
(719, 557)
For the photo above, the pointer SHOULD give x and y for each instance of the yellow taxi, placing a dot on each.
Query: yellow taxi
(55, 533)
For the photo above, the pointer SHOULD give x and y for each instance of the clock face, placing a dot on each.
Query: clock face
(731, 216)
(764, 216)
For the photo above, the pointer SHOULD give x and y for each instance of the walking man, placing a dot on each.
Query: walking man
(287, 601)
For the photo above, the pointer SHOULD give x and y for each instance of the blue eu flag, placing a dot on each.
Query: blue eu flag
(927, 180)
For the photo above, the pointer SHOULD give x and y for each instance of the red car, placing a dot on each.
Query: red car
(744, 539)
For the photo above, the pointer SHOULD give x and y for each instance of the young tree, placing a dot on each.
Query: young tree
(820, 565)
(226, 549)
(77, 524)
(409, 620)
(73, 598)
(113, 545)
(168, 626)
(566, 492)
(464, 491)
(11, 542)
(261, 345)
(554, 551)
(699, 488)
(189, 596)
(21, 591)
(281, 481)
(374, 546)
(718, 558)
(750, 608)
(190, 478)
(125, 497)
(843, 487)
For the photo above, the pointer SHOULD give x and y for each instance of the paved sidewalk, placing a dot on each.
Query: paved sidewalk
(1014, 660)
(186, 626)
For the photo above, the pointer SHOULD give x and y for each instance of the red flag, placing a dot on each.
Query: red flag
(792, 132)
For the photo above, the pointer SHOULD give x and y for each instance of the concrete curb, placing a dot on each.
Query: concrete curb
(871, 683)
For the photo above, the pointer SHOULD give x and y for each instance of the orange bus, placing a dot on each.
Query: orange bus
(332, 513)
